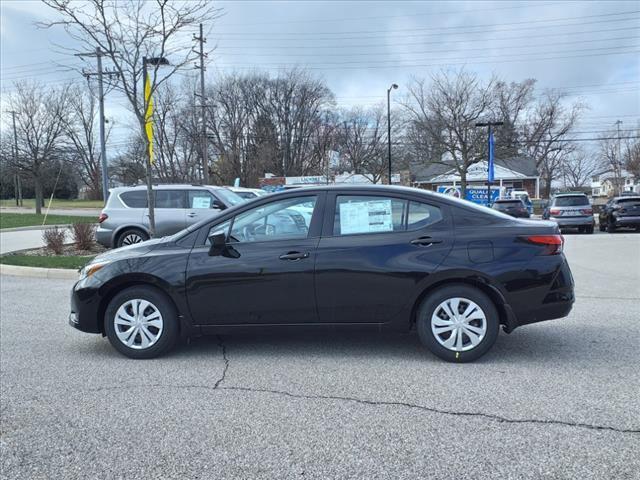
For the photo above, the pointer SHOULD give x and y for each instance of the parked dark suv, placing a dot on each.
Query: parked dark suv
(386, 258)
(511, 206)
(620, 212)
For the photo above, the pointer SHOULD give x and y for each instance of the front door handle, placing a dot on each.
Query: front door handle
(192, 214)
(294, 255)
(425, 241)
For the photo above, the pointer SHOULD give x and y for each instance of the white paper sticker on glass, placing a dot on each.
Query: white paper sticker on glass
(201, 202)
(366, 217)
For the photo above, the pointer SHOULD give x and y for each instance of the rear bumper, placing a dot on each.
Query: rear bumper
(557, 302)
(104, 236)
(584, 221)
(627, 221)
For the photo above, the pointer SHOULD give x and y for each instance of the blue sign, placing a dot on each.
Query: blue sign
(475, 194)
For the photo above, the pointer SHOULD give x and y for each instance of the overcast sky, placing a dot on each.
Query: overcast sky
(588, 49)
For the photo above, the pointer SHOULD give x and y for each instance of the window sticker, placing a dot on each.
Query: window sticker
(201, 202)
(366, 217)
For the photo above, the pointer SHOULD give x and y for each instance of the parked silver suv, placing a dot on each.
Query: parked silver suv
(571, 210)
(125, 219)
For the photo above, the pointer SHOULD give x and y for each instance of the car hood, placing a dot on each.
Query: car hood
(129, 251)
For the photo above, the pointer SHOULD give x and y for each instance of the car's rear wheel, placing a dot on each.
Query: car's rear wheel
(611, 227)
(131, 236)
(458, 323)
(141, 322)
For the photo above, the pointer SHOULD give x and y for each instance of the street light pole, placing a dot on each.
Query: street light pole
(392, 87)
(490, 155)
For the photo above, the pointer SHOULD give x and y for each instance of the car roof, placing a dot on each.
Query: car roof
(167, 186)
(506, 200)
(570, 194)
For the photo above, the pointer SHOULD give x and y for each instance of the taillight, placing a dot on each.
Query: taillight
(554, 211)
(102, 217)
(586, 211)
(553, 243)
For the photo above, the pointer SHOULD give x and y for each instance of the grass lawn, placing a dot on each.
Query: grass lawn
(13, 220)
(45, 262)
(56, 203)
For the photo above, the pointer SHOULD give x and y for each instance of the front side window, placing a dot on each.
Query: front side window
(169, 199)
(281, 220)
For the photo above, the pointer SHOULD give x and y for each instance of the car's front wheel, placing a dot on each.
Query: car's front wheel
(141, 322)
(458, 323)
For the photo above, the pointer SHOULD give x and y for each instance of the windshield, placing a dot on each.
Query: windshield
(229, 197)
(573, 201)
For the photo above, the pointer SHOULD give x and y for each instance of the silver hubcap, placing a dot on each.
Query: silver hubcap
(138, 323)
(131, 238)
(458, 324)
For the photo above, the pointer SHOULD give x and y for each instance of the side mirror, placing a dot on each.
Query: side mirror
(218, 243)
(218, 205)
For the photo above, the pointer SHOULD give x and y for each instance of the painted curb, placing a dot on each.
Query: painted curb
(33, 227)
(35, 272)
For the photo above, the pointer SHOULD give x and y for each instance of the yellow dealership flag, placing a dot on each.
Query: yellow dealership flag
(148, 116)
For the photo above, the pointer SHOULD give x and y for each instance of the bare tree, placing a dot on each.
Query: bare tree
(632, 156)
(545, 134)
(40, 122)
(446, 111)
(80, 131)
(362, 141)
(577, 169)
(510, 105)
(129, 30)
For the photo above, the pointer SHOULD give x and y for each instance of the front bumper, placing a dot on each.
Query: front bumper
(85, 305)
(582, 221)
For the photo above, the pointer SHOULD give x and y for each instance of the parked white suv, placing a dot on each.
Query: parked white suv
(125, 218)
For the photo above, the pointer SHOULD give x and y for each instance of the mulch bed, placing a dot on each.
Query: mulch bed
(69, 250)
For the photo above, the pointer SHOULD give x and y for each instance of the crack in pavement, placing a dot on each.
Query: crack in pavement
(226, 363)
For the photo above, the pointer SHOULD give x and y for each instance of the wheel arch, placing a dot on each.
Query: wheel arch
(111, 289)
(504, 310)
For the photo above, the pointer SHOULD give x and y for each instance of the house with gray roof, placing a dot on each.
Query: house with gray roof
(514, 173)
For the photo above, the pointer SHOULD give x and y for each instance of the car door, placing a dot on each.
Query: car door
(200, 205)
(375, 251)
(266, 276)
(169, 211)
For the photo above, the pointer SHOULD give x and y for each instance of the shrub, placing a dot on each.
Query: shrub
(54, 239)
(84, 235)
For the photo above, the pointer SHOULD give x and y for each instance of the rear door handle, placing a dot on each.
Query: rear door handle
(294, 255)
(424, 241)
(192, 214)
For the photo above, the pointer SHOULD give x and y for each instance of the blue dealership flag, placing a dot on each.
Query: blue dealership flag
(490, 173)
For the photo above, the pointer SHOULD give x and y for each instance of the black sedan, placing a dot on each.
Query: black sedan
(514, 207)
(380, 257)
(620, 212)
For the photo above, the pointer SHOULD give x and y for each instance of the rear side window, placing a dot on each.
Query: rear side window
(577, 201)
(628, 202)
(134, 199)
(373, 214)
(200, 199)
(170, 199)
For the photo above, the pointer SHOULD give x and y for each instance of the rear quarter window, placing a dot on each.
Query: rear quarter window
(134, 199)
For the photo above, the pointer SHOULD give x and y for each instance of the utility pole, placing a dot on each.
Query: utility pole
(392, 87)
(103, 146)
(618, 164)
(203, 107)
(18, 181)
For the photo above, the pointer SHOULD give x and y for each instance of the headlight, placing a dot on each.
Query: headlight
(91, 269)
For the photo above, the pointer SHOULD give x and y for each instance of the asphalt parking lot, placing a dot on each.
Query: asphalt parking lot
(559, 399)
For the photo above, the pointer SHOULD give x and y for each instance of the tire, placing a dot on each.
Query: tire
(131, 236)
(432, 308)
(161, 336)
(601, 227)
(589, 229)
(581, 229)
(611, 227)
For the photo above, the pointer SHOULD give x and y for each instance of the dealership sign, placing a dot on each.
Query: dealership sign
(475, 195)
